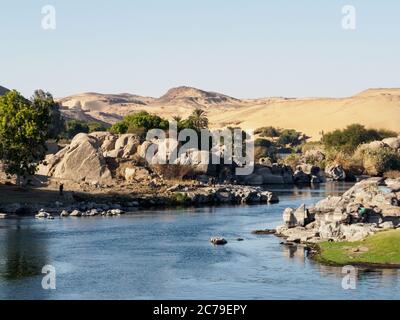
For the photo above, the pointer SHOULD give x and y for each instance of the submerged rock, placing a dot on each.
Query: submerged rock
(218, 241)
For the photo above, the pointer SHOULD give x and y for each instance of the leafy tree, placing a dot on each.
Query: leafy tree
(96, 127)
(198, 119)
(142, 121)
(270, 132)
(348, 139)
(289, 137)
(119, 128)
(73, 127)
(41, 99)
(24, 128)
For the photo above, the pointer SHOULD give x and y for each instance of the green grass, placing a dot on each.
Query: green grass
(380, 249)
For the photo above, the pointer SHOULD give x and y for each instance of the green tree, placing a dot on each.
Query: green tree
(289, 137)
(23, 132)
(96, 127)
(41, 99)
(198, 119)
(73, 127)
(348, 139)
(139, 122)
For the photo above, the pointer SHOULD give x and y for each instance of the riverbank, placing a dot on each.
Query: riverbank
(381, 250)
(29, 201)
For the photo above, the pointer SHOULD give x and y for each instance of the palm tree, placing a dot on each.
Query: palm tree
(199, 119)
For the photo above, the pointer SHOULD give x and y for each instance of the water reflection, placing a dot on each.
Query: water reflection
(382, 278)
(23, 252)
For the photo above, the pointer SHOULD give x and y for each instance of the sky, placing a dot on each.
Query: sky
(243, 48)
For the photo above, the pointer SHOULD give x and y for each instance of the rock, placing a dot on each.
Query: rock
(218, 241)
(81, 161)
(296, 218)
(265, 162)
(264, 232)
(126, 146)
(375, 145)
(136, 174)
(301, 177)
(393, 143)
(276, 174)
(288, 218)
(114, 212)
(64, 213)
(92, 213)
(200, 160)
(3, 215)
(393, 184)
(336, 173)
(76, 213)
(43, 215)
(386, 225)
(301, 216)
(175, 188)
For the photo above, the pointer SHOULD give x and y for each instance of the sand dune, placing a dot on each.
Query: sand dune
(378, 108)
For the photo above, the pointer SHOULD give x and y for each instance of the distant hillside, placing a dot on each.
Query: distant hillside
(378, 108)
(3, 90)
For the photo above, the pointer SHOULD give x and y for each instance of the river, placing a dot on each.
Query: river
(166, 254)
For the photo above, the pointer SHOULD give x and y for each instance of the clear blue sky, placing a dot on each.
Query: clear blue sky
(244, 48)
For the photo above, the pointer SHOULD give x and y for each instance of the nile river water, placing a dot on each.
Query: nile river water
(166, 254)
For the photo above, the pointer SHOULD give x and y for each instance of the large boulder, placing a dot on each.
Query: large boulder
(125, 146)
(335, 172)
(81, 161)
(275, 174)
(393, 143)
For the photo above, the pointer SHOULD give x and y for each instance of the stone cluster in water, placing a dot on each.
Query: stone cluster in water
(370, 206)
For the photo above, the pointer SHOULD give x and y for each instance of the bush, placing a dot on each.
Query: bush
(142, 121)
(179, 199)
(270, 132)
(392, 174)
(97, 127)
(73, 127)
(348, 139)
(378, 161)
(289, 137)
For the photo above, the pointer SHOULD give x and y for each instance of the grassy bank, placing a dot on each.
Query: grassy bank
(381, 250)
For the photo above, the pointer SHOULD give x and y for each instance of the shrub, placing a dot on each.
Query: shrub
(96, 127)
(293, 160)
(73, 127)
(348, 139)
(179, 198)
(392, 174)
(268, 132)
(378, 161)
(142, 120)
(289, 137)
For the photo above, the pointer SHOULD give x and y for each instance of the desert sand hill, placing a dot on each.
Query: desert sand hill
(378, 108)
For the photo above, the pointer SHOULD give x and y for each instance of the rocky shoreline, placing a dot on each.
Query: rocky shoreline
(370, 206)
(89, 205)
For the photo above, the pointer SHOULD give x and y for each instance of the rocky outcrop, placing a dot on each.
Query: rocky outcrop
(80, 161)
(335, 172)
(369, 206)
(275, 174)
